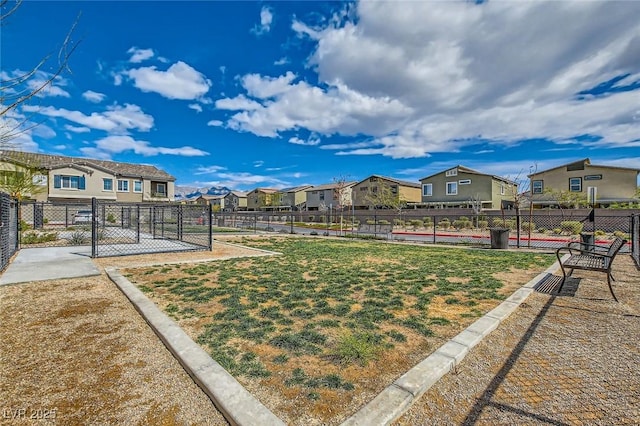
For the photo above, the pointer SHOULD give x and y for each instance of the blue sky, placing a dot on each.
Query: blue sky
(284, 93)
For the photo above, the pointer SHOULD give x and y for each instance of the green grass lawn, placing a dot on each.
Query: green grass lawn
(330, 318)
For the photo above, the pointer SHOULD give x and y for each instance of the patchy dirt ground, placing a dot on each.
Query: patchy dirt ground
(75, 352)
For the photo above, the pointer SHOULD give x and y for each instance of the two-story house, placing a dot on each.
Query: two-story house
(72, 179)
(369, 192)
(262, 199)
(235, 201)
(334, 195)
(216, 201)
(596, 185)
(461, 186)
(293, 198)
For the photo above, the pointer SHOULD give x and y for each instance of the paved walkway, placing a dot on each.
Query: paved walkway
(572, 359)
(49, 263)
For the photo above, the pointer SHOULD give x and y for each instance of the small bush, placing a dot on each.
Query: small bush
(621, 234)
(37, 237)
(357, 347)
(370, 222)
(526, 226)
(599, 233)
(557, 231)
(444, 223)
(542, 230)
(572, 227)
(398, 222)
(416, 223)
(383, 222)
(24, 226)
(78, 238)
(427, 219)
(111, 218)
(483, 224)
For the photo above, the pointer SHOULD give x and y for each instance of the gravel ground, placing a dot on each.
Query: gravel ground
(567, 360)
(75, 352)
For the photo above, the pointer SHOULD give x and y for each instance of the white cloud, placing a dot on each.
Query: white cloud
(139, 55)
(208, 170)
(258, 163)
(116, 118)
(179, 81)
(94, 97)
(313, 140)
(195, 107)
(215, 123)
(266, 19)
(76, 129)
(432, 77)
(116, 144)
(282, 61)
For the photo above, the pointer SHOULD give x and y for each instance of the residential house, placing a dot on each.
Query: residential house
(72, 179)
(364, 192)
(293, 199)
(235, 201)
(463, 187)
(262, 199)
(216, 201)
(323, 196)
(596, 185)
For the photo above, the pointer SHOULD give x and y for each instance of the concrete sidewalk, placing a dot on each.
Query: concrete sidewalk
(568, 359)
(49, 263)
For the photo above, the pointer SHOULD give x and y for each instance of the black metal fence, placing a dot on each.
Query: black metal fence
(117, 229)
(635, 238)
(544, 229)
(8, 229)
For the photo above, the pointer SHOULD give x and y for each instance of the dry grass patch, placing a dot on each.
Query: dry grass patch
(318, 331)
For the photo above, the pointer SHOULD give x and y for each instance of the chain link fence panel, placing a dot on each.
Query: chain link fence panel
(9, 225)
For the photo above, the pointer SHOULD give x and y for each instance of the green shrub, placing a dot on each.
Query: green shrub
(111, 218)
(312, 218)
(78, 238)
(37, 237)
(483, 224)
(416, 223)
(621, 234)
(398, 222)
(383, 222)
(444, 223)
(542, 230)
(427, 219)
(599, 233)
(557, 231)
(572, 227)
(526, 226)
(356, 347)
(24, 226)
(370, 222)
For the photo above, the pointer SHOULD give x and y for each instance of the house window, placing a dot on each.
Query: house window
(107, 184)
(537, 187)
(452, 188)
(68, 182)
(322, 196)
(394, 189)
(593, 177)
(464, 182)
(575, 184)
(137, 186)
(452, 172)
(502, 188)
(427, 190)
(363, 188)
(160, 190)
(123, 185)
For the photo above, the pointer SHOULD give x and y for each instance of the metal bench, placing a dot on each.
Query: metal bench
(590, 260)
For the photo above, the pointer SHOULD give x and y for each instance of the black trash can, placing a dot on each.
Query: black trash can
(588, 241)
(499, 238)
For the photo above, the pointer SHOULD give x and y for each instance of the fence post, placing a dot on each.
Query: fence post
(210, 216)
(94, 227)
(435, 223)
(517, 228)
(138, 223)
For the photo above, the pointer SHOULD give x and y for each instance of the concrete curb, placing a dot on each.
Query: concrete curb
(396, 398)
(237, 405)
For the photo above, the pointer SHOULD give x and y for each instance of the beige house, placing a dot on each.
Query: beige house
(323, 196)
(294, 198)
(235, 201)
(216, 201)
(262, 199)
(71, 179)
(598, 185)
(364, 192)
(463, 187)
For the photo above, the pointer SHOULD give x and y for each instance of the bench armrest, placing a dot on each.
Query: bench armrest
(589, 252)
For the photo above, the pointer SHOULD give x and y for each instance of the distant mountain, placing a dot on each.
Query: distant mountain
(187, 192)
